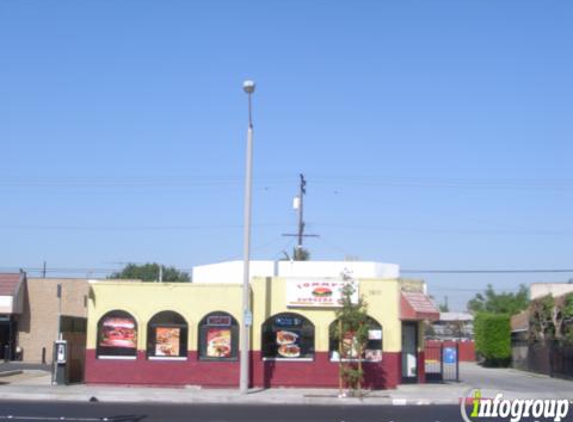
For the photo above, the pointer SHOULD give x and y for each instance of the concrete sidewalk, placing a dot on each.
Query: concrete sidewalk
(35, 385)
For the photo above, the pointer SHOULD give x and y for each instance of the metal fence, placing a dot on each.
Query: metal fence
(548, 358)
(442, 362)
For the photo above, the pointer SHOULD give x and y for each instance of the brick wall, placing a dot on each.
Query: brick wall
(37, 326)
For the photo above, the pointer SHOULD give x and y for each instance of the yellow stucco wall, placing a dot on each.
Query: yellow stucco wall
(381, 295)
(144, 300)
(193, 301)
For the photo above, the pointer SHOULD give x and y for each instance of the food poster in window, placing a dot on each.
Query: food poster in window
(167, 341)
(288, 343)
(219, 342)
(373, 355)
(119, 333)
(288, 336)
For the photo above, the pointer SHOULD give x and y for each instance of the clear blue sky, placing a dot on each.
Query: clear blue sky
(435, 135)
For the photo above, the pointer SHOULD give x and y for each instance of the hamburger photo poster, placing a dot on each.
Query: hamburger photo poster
(317, 293)
(118, 333)
(167, 341)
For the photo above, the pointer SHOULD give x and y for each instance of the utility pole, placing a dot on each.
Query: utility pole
(299, 206)
(247, 317)
(59, 332)
(301, 193)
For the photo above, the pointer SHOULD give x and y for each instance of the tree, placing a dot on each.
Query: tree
(150, 272)
(351, 333)
(551, 318)
(499, 303)
(493, 338)
(444, 307)
(542, 318)
(301, 254)
(298, 254)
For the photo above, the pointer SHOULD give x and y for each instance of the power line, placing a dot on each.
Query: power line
(493, 232)
(468, 231)
(402, 271)
(512, 271)
(427, 182)
(206, 180)
(73, 182)
(130, 228)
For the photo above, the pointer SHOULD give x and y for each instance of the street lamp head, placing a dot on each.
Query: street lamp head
(249, 87)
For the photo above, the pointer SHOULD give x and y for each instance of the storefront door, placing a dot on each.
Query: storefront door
(409, 352)
(5, 337)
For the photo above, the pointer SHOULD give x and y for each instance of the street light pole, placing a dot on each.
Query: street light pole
(247, 321)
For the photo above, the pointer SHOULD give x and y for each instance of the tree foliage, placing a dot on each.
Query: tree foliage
(493, 338)
(351, 333)
(499, 303)
(542, 318)
(301, 254)
(298, 254)
(551, 318)
(150, 272)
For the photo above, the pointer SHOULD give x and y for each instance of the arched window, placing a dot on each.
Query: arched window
(116, 335)
(372, 352)
(167, 336)
(218, 337)
(288, 336)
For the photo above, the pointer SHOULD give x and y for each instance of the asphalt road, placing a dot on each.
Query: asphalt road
(125, 412)
(507, 379)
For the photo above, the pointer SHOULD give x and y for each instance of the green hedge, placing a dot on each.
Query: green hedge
(493, 338)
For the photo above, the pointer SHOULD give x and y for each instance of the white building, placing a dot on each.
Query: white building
(232, 271)
(537, 290)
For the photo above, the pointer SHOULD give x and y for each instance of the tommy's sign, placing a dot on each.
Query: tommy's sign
(316, 292)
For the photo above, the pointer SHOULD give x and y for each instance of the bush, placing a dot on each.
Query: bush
(493, 338)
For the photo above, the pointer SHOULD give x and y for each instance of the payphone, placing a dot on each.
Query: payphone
(60, 361)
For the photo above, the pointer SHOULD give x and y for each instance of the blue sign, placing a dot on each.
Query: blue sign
(450, 355)
(287, 321)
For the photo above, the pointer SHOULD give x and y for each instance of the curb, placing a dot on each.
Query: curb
(10, 373)
(114, 397)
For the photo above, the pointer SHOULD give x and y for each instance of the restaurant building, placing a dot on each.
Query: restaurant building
(188, 333)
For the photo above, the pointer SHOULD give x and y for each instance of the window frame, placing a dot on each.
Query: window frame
(373, 325)
(306, 333)
(154, 323)
(203, 332)
(111, 352)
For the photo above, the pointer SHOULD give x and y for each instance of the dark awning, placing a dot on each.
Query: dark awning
(417, 306)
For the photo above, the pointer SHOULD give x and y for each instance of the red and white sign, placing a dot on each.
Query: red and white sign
(316, 293)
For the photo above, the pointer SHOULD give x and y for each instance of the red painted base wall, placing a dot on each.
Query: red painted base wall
(421, 368)
(318, 373)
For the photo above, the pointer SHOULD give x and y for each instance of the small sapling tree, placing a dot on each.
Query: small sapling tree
(351, 334)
